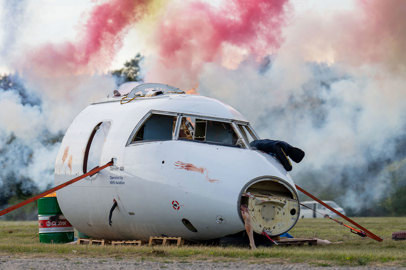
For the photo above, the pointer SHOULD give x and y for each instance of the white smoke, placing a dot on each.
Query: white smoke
(24, 121)
(32, 127)
(13, 15)
(40, 168)
(36, 111)
(316, 92)
(343, 117)
(64, 97)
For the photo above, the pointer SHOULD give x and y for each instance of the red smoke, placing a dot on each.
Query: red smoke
(374, 33)
(192, 34)
(96, 46)
(381, 36)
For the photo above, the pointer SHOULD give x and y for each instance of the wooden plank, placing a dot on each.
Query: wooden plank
(150, 241)
(127, 243)
(297, 241)
(159, 240)
(90, 242)
(83, 241)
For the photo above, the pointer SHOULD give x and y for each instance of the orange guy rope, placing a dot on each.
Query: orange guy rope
(368, 233)
(91, 172)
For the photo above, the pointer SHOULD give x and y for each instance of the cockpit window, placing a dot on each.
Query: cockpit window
(247, 133)
(157, 127)
(216, 132)
(163, 126)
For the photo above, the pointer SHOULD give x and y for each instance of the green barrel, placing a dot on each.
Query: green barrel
(82, 235)
(53, 226)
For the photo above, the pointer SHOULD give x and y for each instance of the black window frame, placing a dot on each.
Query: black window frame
(89, 144)
(242, 143)
(141, 124)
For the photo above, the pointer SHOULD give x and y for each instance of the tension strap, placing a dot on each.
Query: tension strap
(21, 204)
(368, 233)
(353, 230)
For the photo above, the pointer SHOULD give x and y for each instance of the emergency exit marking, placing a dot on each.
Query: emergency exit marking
(175, 205)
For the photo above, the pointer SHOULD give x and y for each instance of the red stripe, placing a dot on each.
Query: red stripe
(54, 224)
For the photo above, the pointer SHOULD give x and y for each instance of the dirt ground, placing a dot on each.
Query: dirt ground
(10, 262)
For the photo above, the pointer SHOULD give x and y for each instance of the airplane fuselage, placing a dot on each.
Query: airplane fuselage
(169, 185)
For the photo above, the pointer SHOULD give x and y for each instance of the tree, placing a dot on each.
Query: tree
(131, 72)
(395, 202)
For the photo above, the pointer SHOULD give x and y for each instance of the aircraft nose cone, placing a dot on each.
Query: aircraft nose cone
(272, 205)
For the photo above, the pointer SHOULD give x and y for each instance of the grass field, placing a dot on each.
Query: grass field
(20, 239)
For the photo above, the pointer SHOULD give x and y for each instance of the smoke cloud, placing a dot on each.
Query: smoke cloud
(13, 18)
(332, 84)
(99, 39)
(191, 34)
(27, 149)
(59, 81)
(338, 93)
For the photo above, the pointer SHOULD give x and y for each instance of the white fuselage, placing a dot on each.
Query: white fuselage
(151, 180)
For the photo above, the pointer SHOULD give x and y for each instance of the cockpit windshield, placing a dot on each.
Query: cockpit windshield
(197, 129)
(247, 133)
(161, 126)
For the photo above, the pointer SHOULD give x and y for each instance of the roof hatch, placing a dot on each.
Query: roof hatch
(150, 90)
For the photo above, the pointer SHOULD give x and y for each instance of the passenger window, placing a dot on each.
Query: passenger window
(216, 132)
(157, 127)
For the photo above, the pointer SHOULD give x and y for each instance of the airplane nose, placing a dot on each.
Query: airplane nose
(272, 204)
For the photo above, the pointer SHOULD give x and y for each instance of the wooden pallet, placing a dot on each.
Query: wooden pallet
(126, 243)
(296, 241)
(158, 240)
(90, 242)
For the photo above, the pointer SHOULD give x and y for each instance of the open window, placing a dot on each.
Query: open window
(209, 131)
(157, 127)
(247, 133)
(95, 145)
